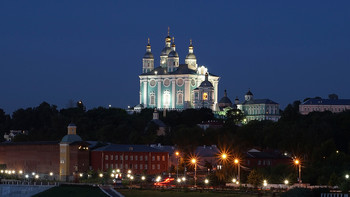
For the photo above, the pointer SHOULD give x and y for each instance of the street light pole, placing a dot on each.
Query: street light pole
(177, 166)
(239, 170)
(194, 161)
(297, 162)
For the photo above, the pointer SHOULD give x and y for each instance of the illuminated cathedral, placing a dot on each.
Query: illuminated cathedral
(176, 86)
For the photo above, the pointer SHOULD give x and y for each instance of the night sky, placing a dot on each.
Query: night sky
(57, 51)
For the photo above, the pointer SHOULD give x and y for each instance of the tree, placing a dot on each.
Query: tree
(255, 178)
(234, 117)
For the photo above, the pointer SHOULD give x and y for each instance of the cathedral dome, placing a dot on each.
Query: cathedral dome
(165, 51)
(190, 56)
(206, 83)
(249, 93)
(148, 55)
(173, 54)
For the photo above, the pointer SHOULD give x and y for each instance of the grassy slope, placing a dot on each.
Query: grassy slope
(72, 191)
(150, 193)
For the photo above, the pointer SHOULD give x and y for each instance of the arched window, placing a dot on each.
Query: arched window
(152, 99)
(179, 97)
(166, 98)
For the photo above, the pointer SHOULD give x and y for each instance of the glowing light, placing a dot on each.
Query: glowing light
(21, 172)
(37, 176)
(236, 161)
(27, 176)
(158, 178)
(296, 161)
(81, 174)
(234, 180)
(143, 178)
(193, 160)
(118, 170)
(265, 183)
(101, 175)
(183, 178)
(51, 173)
(347, 176)
(179, 180)
(206, 181)
(177, 153)
(129, 171)
(132, 177)
(112, 175)
(286, 182)
(224, 156)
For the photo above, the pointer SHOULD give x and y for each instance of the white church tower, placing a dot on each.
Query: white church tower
(191, 60)
(148, 59)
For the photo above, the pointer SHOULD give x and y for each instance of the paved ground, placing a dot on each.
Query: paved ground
(110, 191)
(21, 190)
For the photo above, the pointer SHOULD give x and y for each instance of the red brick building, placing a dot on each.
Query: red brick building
(140, 159)
(47, 157)
(261, 159)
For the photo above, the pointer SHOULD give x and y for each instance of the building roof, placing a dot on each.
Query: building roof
(266, 155)
(8, 143)
(70, 138)
(225, 99)
(259, 101)
(148, 55)
(314, 101)
(158, 122)
(207, 151)
(128, 148)
(182, 69)
(249, 93)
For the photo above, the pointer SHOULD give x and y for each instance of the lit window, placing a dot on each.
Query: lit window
(153, 158)
(131, 157)
(136, 158)
(106, 157)
(205, 96)
(153, 167)
(163, 158)
(141, 158)
(141, 166)
(111, 157)
(158, 158)
(116, 157)
(180, 98)
(158, 166)
(146, 158)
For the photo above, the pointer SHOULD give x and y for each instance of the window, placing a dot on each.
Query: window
(126, 166)
(179, 98)
(146, 158)
(116, 157)
(158, 158)
(121, 157)
(112, 166)
(158, 166)
(153, 158)
(136, 166)
(141, 166)
(152, 99)
(141, 158)
(136, 158)
(166, 97)
(131, 158)
(111, 157)
(146, 166)
(121, 166)
(106, 165)
(106, 157)
(205, 96)
(259, 162)
(163, 158)
(62, 161)
(126, 157)
(153, 167)
(116, 165)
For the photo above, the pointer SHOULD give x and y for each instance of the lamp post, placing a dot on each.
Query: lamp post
(236, 161)
(194, 161)
(177, 166)
(298, 163)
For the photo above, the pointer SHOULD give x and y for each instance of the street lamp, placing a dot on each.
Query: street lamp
(298, 163)
(194, 161)
(347, 176)
(236, 161)
(177, 153)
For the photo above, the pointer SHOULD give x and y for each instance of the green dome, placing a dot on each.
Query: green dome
(71, 138)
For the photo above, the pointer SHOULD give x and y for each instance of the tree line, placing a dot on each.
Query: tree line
(319, 139)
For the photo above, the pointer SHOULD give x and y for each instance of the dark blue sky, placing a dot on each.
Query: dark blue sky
(56, 51)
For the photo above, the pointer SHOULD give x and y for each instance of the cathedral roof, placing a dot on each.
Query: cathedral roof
(190, 56)
(165, 51)
(225, 99)
(148, 55)
(173, 54)
(249, 93)
(183, 69)
(259, 101)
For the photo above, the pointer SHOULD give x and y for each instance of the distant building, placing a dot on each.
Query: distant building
(66, 158)
(215, 124)
(176, 86)
(261, 159)
(161, 126)
(259, 109)
(14, 133)
(137, 158)
(333, 104)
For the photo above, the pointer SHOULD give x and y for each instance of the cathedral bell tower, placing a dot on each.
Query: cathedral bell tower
(173, 58)
(148, 59)
(191, 60)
